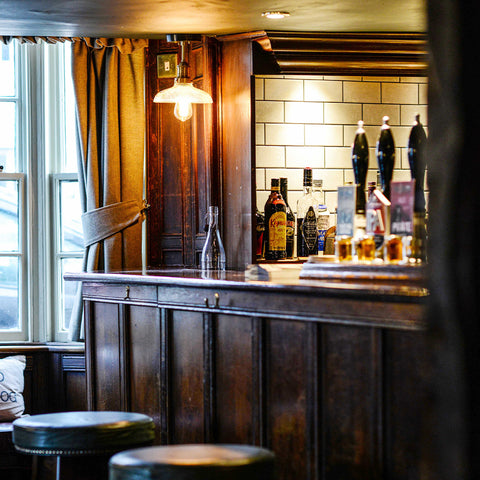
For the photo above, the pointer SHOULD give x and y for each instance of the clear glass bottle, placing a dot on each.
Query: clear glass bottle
(307, 242)
(323, 217)
(213, 253)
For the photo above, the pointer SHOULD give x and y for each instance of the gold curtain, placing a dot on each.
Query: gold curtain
(108, 77)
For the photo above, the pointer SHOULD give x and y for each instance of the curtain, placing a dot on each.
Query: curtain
(108, 76)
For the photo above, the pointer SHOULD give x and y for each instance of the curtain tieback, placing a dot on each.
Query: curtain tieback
(104, 222)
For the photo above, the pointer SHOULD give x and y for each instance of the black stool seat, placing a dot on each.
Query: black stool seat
(193, 462)
(82, 433)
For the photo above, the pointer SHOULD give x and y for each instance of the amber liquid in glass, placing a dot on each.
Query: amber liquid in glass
(393, 248)
(366, 249)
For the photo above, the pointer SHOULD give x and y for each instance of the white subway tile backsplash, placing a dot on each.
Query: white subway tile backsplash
(343, 113)
(303, 112)
(283, 89)
(400, 93)
(332, 178)
(284, 134)
(373, 114)
(327, 135)
(294, 176)
(260, 179)
(302, 121)
(270, 156)
(323, 91)
(361, 92)
(259, 93)
(269, 112)
(301, 157)
(259, 134)
(408, 113)
(338, 157)
(423, 94)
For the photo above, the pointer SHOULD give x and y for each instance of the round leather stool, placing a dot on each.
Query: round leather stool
(84, 441)
(193, 462)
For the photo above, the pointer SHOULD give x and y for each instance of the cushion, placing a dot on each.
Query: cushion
(12, 404)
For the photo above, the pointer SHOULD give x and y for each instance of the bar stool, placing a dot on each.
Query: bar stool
(83, 441)
(193, 462)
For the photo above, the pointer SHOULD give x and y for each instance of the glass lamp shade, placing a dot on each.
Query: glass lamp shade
(183, 95)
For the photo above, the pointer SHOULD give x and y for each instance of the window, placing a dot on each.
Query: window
(40, 228)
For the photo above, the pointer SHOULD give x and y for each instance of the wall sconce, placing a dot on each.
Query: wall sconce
(183, 93)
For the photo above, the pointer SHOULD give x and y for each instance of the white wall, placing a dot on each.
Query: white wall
(311, 122)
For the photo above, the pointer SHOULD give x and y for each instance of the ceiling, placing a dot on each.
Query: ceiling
(155, 18)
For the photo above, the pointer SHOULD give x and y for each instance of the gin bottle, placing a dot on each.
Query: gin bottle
(213, 253)
(307, 234)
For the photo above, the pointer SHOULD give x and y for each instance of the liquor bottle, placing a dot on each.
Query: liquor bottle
(260, 221)
(360, 165)
(416, 157)
(323, 217)
(213, 253)
(290, 218)
(275, 235)
(307, 243)
(385, 156)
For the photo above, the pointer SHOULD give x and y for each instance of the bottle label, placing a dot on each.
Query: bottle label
(277, 229)
(309, 231)
(323, 223)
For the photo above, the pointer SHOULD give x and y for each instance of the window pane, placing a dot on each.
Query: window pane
(9, 221)
(7, 70)
(7, 136)
(9, 294)
(70, 213)
(69, 289)
(71, 146)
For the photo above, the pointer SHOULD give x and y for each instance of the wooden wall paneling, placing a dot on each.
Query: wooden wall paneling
(181, 161)
(166, 412)
(67, 382)
(407, 404)
(352, 413)
(235, 380)
(237, 152)
(286, 379)
(187, 377)
(145, 363)
(103, 367)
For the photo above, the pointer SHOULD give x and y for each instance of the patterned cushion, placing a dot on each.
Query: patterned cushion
(12, 404)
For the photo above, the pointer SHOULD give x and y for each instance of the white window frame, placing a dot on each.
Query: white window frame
(39, 150)
(21, 255)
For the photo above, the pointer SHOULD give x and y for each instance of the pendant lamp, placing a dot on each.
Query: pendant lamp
(183, 93)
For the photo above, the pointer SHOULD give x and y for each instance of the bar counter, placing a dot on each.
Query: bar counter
(326, 372)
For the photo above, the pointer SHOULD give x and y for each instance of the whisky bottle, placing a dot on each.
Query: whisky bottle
(385, 151)
(275, 235)
(360, 165)
(213, 253)
(307, 243)
(290, 232)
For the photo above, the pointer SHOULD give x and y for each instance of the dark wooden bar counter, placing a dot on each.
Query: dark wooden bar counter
(327, 373)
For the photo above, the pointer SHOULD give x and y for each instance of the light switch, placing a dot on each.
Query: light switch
(167, 65)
